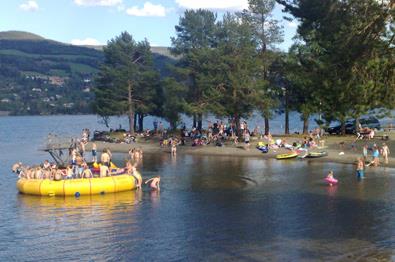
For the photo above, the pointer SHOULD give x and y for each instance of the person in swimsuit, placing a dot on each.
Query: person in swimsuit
(385, 151)
(360, 168)
(86, 173)
(105, 158)
(155, 181)
(375, 162)
(104, 171)
(94, 153)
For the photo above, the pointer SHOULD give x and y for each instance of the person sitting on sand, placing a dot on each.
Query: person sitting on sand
(360, 167)
(155, 181)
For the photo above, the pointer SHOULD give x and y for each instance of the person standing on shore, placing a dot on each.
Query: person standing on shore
(385, 151)
(247, 139)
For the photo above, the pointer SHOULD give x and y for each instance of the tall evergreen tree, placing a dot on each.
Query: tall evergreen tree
(126, 80)
(267, 32)
(346, 38)
(193, 43)
(237, 69)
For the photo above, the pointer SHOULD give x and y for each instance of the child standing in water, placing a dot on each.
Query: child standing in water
(360, 168)
(330, 179)
(155, 181)
(385, 151)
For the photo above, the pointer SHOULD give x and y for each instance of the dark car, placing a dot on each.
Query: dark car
(370, 122)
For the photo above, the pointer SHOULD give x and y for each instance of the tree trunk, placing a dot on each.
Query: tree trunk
(357, 123)
(199, 122)
(135, 121)
(305, 124)
(286, 131)
(130, 108)
(343, 127)
(267, 127)
(237, 122)
(141, 122)
(194, 120)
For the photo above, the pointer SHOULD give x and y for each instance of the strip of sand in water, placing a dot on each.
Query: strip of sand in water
(334, 145)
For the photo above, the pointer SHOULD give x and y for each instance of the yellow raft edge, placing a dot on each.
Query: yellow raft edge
(76, 187)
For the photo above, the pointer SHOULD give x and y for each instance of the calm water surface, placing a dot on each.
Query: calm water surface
(209, 208)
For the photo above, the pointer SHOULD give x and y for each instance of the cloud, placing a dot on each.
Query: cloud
(214, 4)
(86, 41)
(98, 2)
(292, 24)
(148, 10)
(31, 6)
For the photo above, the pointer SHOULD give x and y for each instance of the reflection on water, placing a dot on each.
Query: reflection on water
(208, 208)
(213, 209)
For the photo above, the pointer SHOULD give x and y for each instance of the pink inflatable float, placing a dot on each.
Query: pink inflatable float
(331, 181)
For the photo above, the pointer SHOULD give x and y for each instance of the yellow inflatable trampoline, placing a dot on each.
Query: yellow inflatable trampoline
(76, 187)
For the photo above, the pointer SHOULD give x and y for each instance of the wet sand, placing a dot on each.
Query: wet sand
(334, 145)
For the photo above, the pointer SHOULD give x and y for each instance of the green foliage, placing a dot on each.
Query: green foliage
(127, 81)
(194, 43)
(348, 42)
(237, 68)
(174, 100)
(267, 32)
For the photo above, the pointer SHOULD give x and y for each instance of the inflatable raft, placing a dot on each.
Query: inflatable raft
(316, 154)
(76, 187)
(286, 156)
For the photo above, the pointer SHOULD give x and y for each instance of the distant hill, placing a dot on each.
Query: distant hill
(19, 35)
(42, 76)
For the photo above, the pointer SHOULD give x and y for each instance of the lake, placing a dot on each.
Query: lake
(208, 209)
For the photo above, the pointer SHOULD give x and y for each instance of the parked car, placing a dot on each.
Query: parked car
(370, 122)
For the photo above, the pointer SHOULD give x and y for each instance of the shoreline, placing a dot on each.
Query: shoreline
(334, 145)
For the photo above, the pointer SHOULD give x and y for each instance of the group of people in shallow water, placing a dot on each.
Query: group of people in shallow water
(78, 168)
(363, 161)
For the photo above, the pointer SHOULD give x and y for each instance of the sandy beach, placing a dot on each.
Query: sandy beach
(334, 145)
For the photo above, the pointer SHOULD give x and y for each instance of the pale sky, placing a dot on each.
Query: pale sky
(97, 21)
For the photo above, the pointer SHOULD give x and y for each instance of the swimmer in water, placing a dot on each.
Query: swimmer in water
(155, 181)
(330, 175)
(330, 179)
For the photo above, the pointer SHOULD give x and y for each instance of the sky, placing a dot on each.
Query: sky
(94, 22)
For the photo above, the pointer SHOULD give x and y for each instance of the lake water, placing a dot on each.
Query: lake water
(208, 209)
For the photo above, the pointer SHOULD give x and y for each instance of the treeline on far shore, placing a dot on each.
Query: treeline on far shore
(340, 65)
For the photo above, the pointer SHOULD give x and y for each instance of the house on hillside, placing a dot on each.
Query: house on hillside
(57, 80)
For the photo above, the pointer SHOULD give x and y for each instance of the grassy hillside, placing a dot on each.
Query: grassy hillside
(41, 76)
(19, 35)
